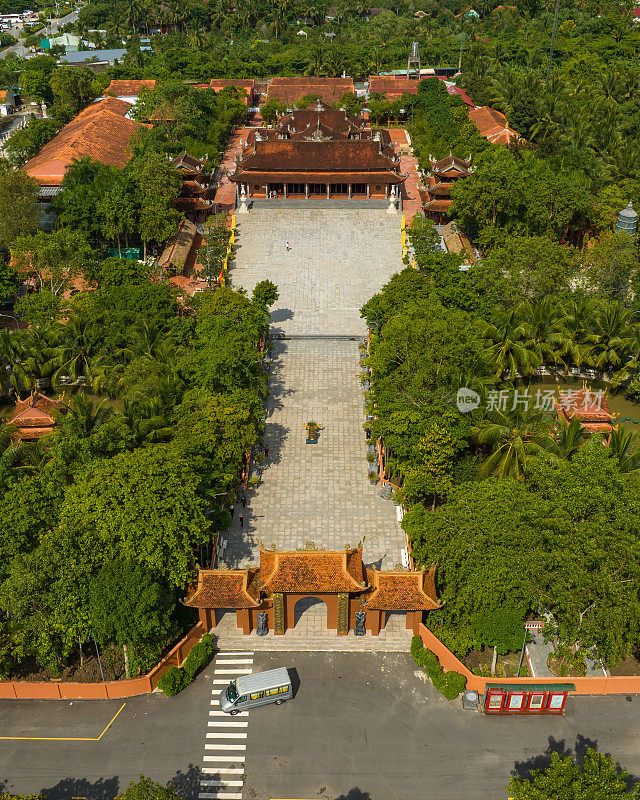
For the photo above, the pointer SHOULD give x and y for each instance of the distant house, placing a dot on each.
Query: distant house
(9, 101)
(67, 40)
(129, 91)
(96, 58)
(102, 132)
(493, 125)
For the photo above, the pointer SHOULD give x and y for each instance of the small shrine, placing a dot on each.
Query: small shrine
(587, 406)
(35, 417)
(436, 197)
(352, 592)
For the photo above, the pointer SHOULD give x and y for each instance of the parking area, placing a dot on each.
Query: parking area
(364, 727)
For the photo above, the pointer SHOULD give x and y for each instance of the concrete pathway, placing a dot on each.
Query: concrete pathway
(337, 259)
(315, 495)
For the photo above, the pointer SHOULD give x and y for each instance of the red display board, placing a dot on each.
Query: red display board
(526, 699)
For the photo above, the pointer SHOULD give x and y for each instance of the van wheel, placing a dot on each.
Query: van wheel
(279, 702)
(233, 713)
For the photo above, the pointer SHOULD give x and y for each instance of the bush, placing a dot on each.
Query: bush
(178, 678)
(198, 657)
(450, 684)
(172, 681)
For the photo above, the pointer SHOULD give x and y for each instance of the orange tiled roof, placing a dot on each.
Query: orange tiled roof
(586, 405)
(312, 570)
(101, 132)
(393, 85)
(35, 416)
(492, 125)
(128, 88)
(221, 588)
(290, 90)
(402, 591)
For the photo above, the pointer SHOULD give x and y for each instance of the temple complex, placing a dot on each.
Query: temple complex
(436, 198)
(35, 417)
(337, 577)
(318, 152)
(291, 90)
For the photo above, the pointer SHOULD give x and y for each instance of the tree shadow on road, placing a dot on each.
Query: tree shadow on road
(355, 794)
(68, 788)
(187, 784)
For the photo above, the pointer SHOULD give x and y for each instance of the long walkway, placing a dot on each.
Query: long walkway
(316, 495)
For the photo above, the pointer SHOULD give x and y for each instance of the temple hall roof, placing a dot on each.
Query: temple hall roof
(402, 591)
(128, 88)
(492, 125)
(35, 416)
(323, 571)
(291, 90)
(221, 588)
(393, 86)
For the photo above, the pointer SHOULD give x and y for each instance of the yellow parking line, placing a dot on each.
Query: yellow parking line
(65, 738)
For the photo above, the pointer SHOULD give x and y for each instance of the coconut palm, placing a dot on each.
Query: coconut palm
(624, 447)
(541, 330)
(512, 436)
(12, 355)
(84, 416)
(79, 352)
(569, 438)
(506, 349)
(610, 338)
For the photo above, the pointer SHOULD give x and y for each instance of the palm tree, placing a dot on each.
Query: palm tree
(610, 338)
(624, 447)
(512, 436)
(84, 416)
(541, 330)
(569, 438)
(506, 349)
(12, 355)
(78, 354)
(33, 457)
(196, 38)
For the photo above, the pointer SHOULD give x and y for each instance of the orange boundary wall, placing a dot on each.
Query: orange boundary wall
(612, 685)
(107, 690)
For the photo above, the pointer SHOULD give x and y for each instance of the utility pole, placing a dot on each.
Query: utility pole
(553, 37)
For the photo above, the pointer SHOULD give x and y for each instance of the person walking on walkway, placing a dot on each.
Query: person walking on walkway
(288, 247)
(242, 520)
(266, 451)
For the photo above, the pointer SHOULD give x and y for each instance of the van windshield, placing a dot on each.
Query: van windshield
(232, 692)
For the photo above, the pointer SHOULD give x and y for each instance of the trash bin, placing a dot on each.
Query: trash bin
(470, 700)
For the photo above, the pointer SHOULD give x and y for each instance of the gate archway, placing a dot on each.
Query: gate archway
(311, 609)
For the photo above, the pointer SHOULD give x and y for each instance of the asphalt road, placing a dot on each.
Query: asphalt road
(361, 727)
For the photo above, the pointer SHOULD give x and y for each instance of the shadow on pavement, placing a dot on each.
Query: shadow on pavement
(355, 794)
(68, 788)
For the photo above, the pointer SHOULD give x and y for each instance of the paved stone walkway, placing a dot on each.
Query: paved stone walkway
(316, 493)
(310, 633)
(337, 260)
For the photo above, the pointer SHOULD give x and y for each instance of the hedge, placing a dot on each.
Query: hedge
(176, 679)
(449, 683)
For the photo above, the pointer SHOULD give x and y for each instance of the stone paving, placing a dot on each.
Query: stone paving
(337, 260)
(320, 492)
(311, 633)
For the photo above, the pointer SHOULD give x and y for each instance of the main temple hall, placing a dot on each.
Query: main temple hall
(318, 152)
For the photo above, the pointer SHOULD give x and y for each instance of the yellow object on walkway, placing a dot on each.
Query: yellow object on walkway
(233, 222)
(404, 223)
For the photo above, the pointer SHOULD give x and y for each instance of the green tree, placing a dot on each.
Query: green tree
(18, 204)
(140, 506)
(72, 87)
(54, 259)
(610, 263)
(128, 607)
(594, 777)
(27, 142)
(159, 184)
(146, 789)
(500, 628)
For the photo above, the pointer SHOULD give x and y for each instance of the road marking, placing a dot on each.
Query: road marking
(220, 783)
(224, 714)
(233, 671)
(230, 759)
(220, 795)
(224, 653)
(216, 770)
(65, 738)
(225, 747)
(226, 770)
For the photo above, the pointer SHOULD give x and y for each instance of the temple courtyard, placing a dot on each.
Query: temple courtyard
(341, 253)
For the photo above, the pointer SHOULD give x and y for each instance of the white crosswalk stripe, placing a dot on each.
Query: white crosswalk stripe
(224, 758)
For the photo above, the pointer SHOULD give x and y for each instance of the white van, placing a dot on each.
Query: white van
(247, 691)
